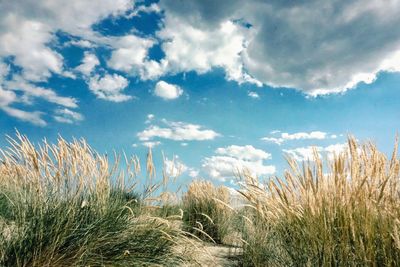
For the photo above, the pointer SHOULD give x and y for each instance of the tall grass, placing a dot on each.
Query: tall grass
(207, 212)
(65, 205)
(344, 212)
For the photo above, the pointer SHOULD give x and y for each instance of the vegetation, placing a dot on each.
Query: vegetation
(207, 213)
(66, 205)
(347, 216)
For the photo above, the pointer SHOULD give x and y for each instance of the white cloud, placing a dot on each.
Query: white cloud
(177, 131)
(153, 8)
(26, 40)
(232, 160)
(326, 46)
(67, 116)
(167, 91)
(188, 48)
(32, 91)
(307, 153)
(6, 97)
(28, 36)
(31, 117)
(151, 144)
(318, 135)
(150, 118)
(89, 63)
(247, 152)
(194, 173)
(109, 87)
(130, 56)
(253, 95)
(80, 43)
(174, 167)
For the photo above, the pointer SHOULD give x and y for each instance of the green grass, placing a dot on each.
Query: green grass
(58, 207)
(206, 211)
(346, 215)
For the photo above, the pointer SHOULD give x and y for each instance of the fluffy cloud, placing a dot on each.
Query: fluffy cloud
(296, 136)
(131, 56)
(109, 87)
(67, 116)
(307, 153)
(233, 160)
(188, 48)
(89, 63)
(316, 46)
(177, 131)
(167, 91)
(243, 152)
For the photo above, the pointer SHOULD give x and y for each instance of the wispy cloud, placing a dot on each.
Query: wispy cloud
(279, 138)
(67, 116)
(307, 153)
(177, 131)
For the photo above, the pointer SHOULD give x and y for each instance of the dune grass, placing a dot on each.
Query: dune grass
(346, 215)
(65, 205)
(207, 213)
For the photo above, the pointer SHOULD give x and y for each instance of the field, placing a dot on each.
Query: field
(64, 204)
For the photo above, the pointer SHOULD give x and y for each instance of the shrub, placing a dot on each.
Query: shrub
(347, 216)
(206, 211)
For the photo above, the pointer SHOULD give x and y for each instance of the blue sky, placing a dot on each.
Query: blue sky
(217, 86)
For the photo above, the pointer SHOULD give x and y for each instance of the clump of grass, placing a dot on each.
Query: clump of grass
(346, 216)
(65, 205)
(207, 212)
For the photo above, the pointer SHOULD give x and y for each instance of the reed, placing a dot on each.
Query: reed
(64, 204)
(341, 212)
(207, 213)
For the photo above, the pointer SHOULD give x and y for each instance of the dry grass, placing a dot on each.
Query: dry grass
(207, 213)
(65, 205)
(348, 215)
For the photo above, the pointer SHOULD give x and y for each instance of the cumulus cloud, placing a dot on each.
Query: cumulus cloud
(109, 87)
(188, 48)
(67, 116)
(167, 91)
(28, 37)
(307, 153)
(130, 55)
(316, 46)
(89, 63)
(177, 131)
(233, 160)
(318, 135)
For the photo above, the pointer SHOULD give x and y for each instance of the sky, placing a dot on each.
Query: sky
(213, 87)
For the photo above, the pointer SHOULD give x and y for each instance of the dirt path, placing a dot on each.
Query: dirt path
(215, 256)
